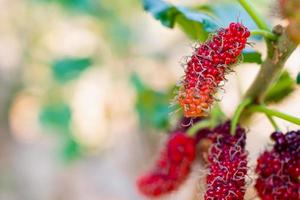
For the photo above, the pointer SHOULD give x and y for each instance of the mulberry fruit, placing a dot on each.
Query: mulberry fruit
(279, 169)
(227, 164)
(172, 168)
(207, 67)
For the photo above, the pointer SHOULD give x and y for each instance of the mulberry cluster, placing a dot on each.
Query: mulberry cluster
(171, 169)
(279, 169)
(207, 67)
(227, 164)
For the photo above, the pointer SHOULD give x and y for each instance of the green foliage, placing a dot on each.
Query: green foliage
(194, 23)
(198, 22)
(250, 56)
(153, 107)
(298, 79)
(69, 68)
(282, 88)
(56, 116)
(71, 149)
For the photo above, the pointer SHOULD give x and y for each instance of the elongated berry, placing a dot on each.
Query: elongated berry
(227, 165)
(171, 169)
(279, 169)
(206, 69)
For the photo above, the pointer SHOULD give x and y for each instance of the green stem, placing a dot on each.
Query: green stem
(266, 34)
(254, 15)
(276, 127)
(237, 114)
(275, 113)
(199, 125)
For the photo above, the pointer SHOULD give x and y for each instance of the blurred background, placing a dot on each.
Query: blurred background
(85, 89)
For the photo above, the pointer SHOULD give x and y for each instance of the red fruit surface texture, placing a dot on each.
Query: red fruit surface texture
(171, 169)
(227, 165)
(278, 170)
(206, 69)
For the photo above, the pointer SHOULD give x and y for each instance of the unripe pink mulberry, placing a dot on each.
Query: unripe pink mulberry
(207, 67)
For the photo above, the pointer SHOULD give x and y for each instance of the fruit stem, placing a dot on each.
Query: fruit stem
(265, 33)
(216, 116)
(207, 123)
(235, 119)
(276, 127)
(254, 15)
(271, 112)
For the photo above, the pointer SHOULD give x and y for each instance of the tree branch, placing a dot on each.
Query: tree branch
(278, 52)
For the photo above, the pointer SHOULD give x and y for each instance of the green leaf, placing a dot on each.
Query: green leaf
(199, 21)
(298, 79)
(282, 88)
(69, 68)
(153, 107)
(194, 23)
(57, 116)
(250, 56)
(71, 149)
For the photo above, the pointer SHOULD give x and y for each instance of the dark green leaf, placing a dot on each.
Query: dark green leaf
(298, 79)
(194, 23)
(282, 88)
(250, 56)
(153, 107)
(56, 116)
(69, 68)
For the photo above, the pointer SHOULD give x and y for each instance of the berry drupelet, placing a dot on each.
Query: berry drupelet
(279, 169)
(206, 69)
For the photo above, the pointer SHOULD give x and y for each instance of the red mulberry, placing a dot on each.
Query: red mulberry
(279, 169)
(227, 165)
(207, 67)
(171, 169)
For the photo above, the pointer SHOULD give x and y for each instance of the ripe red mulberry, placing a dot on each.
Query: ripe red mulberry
(227, 165)
(172, 168)
(207, 67)
(279, 169)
